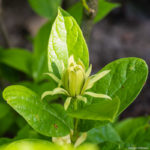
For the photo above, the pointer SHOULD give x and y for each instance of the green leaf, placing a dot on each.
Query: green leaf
(45, 8)
(103, 134)
(28, 132)
(128, 126)
(85, 125)
(7, 123)
(126, 79)
(40, 88)
(87, 146)
(4, 110)
(104, 110)
(9, 74)
(140, 138)
(34, 144)
(19, 59)
(113, 146)
(30, 144)
(135, 132)
(76, 11)
(104, 8)
(45, 118)
(40, 64)
(66, 39)
(20, 121)
(4, 142)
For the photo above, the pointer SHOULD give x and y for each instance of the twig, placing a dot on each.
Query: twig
(90, 12)
(3, 29)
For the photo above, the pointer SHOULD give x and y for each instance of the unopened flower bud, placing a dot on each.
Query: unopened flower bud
(74, 78)
(75, 82)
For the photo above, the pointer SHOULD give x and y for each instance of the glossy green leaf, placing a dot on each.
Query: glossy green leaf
(103, 134)
(104, 110)
(76, 11)
(30, 144)
(40, 64)
(19, 59)
(66, 39)
(34, 144)
(126, 79)
(45, 118)
(131, 125)
(2, 147)
(45, 8)
(125, 74)
(40, 88)
(104, 7)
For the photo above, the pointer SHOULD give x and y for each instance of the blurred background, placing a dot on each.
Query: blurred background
(125, 32)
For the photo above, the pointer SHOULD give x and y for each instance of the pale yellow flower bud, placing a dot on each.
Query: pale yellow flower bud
(76, 82)
(80, 77)
(74, 78)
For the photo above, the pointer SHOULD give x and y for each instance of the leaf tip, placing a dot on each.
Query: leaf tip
(62, 12)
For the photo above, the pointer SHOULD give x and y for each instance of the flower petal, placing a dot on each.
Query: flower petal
(97, 95)
(53, 77)
(81, 64)
(88, 72)
(62, 140)
(71, 60)
(84, 99)
(96, 77)
(46, 94)
(85, 86)
(72, 83)
(55, 92)
(81, 139)
(67, 103)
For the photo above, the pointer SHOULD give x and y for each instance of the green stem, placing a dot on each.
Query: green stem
(75, 134)
(75, 104)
